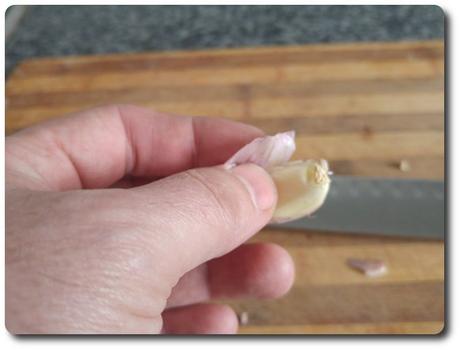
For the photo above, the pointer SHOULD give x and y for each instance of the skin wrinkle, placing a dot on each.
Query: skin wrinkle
(172, 237)
(200, 291)
(57, 279)
(187, 199)
(56, 145)
(141, 305)
(224, 217)
(227, 216)
(135, 147)
(134, 261)
(43, 301)
(41, 181)
(23, 173)
(207, 284)
(113, 313)
(25, 247)
(110, 289)
(175, 265)
(70, 245)
(159, 243)
(131, 155)
(107, 282)
(137, 263)
(60, 243)
(101, 315)
(68, 156)
(102, 119)
(194, 144)
(164, 138)
(44, 134)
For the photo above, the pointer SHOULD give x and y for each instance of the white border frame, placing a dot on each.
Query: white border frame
(450, 338)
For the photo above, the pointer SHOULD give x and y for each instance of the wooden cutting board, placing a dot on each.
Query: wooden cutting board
(364, 107)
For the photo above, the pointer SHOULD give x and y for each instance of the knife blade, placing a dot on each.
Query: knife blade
(395, 207)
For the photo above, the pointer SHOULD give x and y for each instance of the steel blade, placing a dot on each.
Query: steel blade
(399, 207)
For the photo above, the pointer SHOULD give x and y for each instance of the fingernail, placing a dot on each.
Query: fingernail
(259, 184)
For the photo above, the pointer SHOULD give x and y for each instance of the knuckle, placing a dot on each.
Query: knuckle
(223, 194)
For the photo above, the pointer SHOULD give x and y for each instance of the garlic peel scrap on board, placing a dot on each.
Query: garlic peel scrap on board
(370, 267)
(302, 185)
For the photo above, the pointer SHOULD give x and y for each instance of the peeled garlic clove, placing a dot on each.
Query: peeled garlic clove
(302, 188)
(267, 151)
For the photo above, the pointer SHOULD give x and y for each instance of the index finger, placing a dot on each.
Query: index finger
(97, 147)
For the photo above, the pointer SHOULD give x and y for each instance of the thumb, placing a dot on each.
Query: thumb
(203, 213)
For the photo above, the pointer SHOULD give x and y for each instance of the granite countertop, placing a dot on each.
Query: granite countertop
(78, 30)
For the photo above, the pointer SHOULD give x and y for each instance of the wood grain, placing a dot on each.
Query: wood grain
(73, 82)
(350, 328)
(408, 260)
(384, 145)
(235, 57)
(364, 107)
(329, 297)
(390, 302)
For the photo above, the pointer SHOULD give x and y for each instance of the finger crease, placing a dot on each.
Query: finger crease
(220, 205)
(195, 145)
(131, 155)
(69, 157)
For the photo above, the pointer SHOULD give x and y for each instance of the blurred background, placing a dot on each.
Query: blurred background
(37, 31)
(362, 86)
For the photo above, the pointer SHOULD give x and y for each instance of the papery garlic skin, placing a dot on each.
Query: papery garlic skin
(302, 188)
(370, 267)
(267, 151)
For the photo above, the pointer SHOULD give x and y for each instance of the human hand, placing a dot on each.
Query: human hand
(110, 229)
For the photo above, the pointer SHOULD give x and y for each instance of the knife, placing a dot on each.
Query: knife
(394, 207)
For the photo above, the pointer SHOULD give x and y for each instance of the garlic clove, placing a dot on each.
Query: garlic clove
(302, 185)
(302, 188)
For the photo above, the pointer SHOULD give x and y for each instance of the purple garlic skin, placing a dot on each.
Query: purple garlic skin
(370, 267)
(266, 151)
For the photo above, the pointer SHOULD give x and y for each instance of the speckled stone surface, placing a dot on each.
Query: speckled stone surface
(77, 30)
